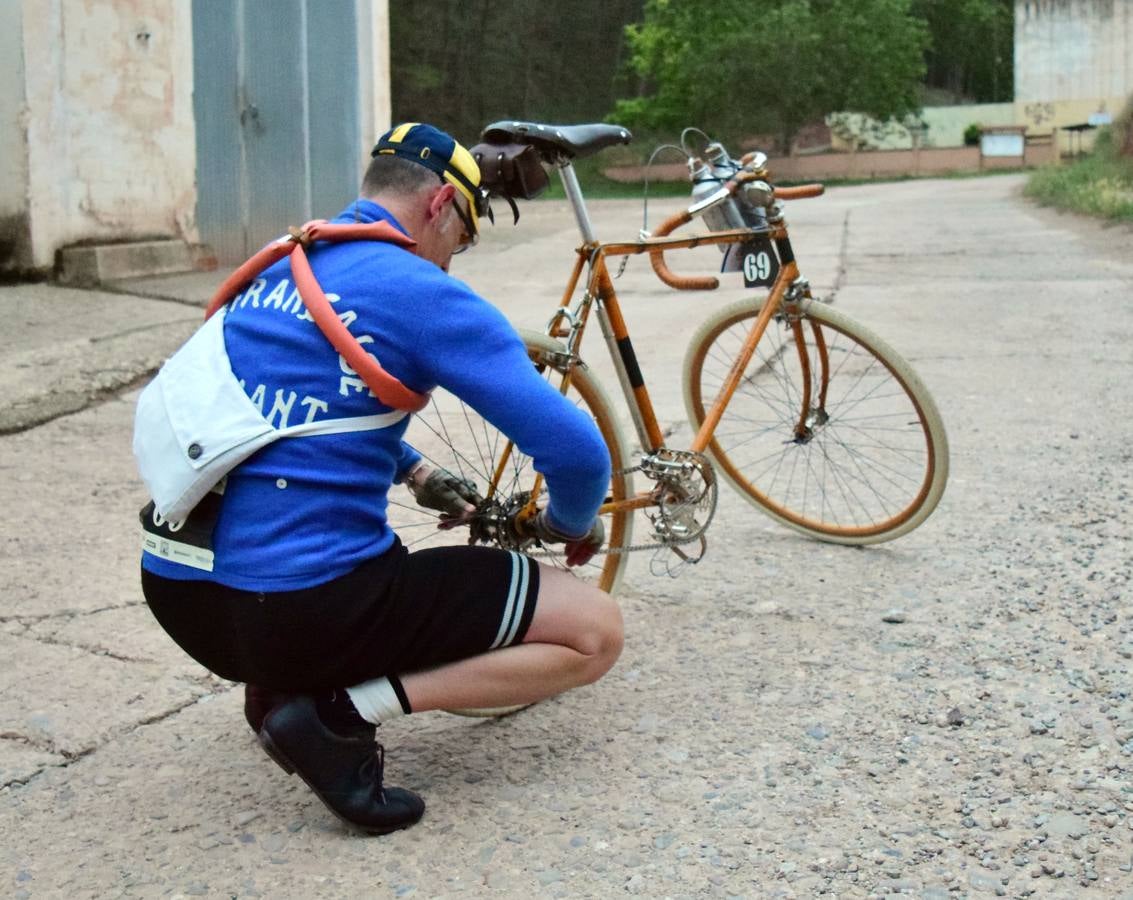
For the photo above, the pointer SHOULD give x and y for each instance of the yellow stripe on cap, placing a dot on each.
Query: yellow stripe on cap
(465, 163)
(398, 134)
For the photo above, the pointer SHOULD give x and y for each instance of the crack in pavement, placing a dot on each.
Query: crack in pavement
(68, 403)
(92, 650)
(164, 298)
(68, 613)
(142, 328)
(840, 273)
(16, 737)
(72, 756)
(89, 371)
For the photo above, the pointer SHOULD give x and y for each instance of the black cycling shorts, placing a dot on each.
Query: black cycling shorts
(398, 613)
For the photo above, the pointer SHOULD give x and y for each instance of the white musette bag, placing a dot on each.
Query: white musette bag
(194, 423)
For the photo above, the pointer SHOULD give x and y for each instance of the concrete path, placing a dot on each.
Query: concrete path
(946, 715)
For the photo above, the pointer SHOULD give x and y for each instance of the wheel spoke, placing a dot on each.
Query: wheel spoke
(450, 434)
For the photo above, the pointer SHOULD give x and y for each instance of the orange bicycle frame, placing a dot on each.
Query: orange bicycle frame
(600, 292)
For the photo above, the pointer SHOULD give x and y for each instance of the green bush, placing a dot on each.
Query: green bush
(972, 135)
(1100, 184)
(596, 186)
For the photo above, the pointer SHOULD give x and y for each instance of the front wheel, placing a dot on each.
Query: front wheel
(829, 432)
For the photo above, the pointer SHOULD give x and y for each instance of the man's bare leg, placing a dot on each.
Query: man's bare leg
(575, 637)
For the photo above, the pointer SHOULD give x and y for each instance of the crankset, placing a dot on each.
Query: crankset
(684, 497)
(685, 494)
(491, 523)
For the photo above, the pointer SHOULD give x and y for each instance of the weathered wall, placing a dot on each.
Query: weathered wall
(13, 140)
(111, 141)
(1073, 49)
(374, 55)
(1042, 117)
(945, 126)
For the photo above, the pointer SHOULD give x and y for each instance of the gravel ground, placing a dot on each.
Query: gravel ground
(944, 716)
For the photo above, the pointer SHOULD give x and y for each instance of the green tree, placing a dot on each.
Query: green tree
(465, 63)
(972, 49)
(734, 69)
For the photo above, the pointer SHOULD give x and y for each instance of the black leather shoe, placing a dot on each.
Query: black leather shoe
(258, 702)
(344, 771)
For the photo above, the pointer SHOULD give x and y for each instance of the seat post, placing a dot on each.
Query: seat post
(574, 194)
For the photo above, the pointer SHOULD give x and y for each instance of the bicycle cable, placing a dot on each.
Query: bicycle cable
(684, 147)
(645, 187)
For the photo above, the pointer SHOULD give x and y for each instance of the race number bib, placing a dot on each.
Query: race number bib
(759, 262)
(188, 541)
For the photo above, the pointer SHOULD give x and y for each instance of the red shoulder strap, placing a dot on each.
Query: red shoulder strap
(386, 388)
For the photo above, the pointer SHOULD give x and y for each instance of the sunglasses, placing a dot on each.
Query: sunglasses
(470, 237)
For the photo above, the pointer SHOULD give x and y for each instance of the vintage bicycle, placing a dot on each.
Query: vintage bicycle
(807, 414)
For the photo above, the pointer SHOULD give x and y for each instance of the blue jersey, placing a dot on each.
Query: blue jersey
(305, 510)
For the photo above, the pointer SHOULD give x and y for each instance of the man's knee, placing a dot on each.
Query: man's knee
(577, 615)
(604, 640)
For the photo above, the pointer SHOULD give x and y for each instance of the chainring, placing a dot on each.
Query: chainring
(686, 494)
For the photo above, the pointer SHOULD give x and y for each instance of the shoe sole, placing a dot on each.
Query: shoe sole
(280, 759)
(490, 712)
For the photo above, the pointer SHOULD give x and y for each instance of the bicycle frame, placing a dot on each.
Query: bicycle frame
(809, 416)
(600, 292)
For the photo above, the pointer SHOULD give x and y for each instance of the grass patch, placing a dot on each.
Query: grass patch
(1100, 184)
(596, 186)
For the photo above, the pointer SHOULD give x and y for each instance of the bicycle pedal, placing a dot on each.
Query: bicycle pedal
(692, 560)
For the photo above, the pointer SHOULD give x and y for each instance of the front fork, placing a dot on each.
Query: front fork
(812, 408)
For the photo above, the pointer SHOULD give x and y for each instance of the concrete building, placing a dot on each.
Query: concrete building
(1073, 49)
(1073, 68)
(1073, 63)
(146, 128)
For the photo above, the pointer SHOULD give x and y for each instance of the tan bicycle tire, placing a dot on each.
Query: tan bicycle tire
(919, 426)
(549, 353)
(619, 526)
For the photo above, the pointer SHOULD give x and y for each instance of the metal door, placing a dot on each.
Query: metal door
(276, 101)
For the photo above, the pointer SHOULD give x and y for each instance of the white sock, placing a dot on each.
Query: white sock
(378, 700)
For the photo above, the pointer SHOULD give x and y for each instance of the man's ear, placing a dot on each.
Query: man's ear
(439, 199)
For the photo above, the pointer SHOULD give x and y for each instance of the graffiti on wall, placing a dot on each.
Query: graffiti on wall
(1038, 114)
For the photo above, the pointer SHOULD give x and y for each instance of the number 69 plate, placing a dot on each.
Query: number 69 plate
(758, 261)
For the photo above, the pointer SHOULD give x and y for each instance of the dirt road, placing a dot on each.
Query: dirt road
(946, 715)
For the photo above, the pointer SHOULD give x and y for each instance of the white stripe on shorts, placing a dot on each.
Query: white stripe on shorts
(516, 600)
(525, 564)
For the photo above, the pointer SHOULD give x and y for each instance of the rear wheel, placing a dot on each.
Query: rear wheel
(830, 432)
(450, 434)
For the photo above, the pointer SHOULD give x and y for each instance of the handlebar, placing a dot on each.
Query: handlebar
(710, 282)
(800, 192)
(667, 275)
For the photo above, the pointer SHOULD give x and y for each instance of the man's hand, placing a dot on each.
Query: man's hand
(579, 550)
(454, 497)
